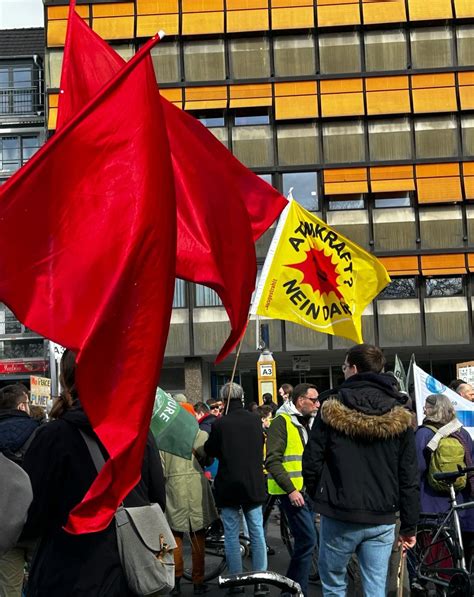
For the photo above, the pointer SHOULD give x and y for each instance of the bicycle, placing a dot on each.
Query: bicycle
(437, 560)
(255, 578)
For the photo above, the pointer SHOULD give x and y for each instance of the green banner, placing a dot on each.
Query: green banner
(399, 371)
(173, 427)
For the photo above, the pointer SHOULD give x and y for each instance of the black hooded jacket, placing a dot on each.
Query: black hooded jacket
(16, 426)
(359, 464)
(61, 471)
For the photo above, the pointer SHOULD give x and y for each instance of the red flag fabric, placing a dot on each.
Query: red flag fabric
(222, 206)
(84, 263)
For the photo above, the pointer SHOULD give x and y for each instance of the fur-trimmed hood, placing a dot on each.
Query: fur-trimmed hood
(359, 425)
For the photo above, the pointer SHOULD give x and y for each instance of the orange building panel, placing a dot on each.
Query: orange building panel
(205, 98)
(437, 183)
(466, 90)
(464, 8)
(345, 181)
(247, 20)
(154, 7)
(248, 96)
(293, 16)
(173, 95)
(296, 100)
(422, 10)
(383, 11)
(385, 179)
(401, 266)
(441, 265)
(338, 13)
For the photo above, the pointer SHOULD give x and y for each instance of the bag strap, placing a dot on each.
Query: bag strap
(94, 450)
(443, 432)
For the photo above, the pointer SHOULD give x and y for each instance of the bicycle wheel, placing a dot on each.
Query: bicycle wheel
(434, 561)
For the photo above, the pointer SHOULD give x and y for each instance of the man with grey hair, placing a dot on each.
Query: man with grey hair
(236, 440)
(465, 390)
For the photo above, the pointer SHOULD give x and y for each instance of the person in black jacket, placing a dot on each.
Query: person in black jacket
(359, 466)
(236, 439)
(61, 472)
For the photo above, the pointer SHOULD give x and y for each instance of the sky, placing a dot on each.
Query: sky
(16, 14)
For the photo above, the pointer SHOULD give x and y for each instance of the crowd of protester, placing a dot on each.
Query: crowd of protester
(352, 456)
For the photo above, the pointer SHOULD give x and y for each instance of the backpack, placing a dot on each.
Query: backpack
(16, 496)
(446, 457)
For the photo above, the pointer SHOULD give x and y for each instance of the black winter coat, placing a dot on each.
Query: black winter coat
(359, 464)
(236, 440)
(61, 471)
(16, 426)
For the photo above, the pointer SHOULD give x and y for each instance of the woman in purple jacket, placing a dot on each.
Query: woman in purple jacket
(438, 412)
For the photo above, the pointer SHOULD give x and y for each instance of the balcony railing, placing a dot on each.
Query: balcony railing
(24, 101)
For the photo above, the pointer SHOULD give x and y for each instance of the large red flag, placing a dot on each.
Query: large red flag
(222, 206)
(87, 258)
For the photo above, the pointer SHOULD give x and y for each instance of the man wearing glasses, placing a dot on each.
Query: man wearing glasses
(16, 432)
(360, 467)
(286, 439)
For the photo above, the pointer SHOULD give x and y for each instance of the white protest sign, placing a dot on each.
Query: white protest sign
(40, 390)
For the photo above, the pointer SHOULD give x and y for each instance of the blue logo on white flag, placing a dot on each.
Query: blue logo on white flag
(434, 386)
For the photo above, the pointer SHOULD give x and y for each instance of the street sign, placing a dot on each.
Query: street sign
(266, 370)
(301, 362)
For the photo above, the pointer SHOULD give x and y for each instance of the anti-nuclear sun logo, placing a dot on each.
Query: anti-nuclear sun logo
(319, 272)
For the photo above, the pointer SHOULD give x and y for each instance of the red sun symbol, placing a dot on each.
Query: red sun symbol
(319, 272)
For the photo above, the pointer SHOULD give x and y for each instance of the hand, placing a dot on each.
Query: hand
(407, 542)
(296, 499)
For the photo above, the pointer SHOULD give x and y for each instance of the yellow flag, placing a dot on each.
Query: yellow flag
(316, 277)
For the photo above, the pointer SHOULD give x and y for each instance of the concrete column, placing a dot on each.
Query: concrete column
(197, 379)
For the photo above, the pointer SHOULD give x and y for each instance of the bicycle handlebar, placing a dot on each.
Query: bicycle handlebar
(452, 476)
(254, 578)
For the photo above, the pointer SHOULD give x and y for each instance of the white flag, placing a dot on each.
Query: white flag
(426, 384)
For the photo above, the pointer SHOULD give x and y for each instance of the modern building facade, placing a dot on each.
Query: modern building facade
(22, 132)
(366, 109)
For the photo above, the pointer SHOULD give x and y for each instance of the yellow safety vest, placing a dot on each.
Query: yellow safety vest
(292, 459)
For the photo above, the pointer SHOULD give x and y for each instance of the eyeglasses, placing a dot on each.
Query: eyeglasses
(345, 366)
(313, 400)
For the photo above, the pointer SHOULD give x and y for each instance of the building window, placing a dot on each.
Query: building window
(399, 288)
(467, 124)
(441, 227)
(294, 55)
(204, 60)
(391, 200)
(250, 58)
(179, 298)
(465, 41)
(390, 139)
(298, 144)
(343, 142)
(251, 119)
(166, 62)
(436, 137)
(17, 93)
(385, 50)
(212, 121)
(253, 145)
(436, 287)
(339, 53)
(16, 151)
(431, 47)
(346, 202)
(304, 186)
(54, 62)
(206, 297)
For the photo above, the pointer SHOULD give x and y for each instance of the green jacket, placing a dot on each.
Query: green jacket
(189, 502)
